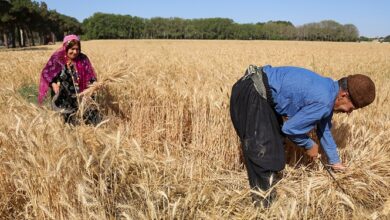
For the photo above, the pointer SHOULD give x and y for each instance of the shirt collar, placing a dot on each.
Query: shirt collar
(336, 89)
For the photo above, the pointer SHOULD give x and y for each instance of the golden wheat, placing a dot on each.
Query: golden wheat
(167, 149)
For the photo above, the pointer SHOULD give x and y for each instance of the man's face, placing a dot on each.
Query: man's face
(343, 103)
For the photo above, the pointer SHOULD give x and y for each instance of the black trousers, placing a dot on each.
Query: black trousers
(258, 127)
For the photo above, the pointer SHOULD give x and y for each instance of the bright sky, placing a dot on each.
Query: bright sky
(371, 17)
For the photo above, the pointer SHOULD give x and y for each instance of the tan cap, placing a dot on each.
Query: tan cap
(361, 90)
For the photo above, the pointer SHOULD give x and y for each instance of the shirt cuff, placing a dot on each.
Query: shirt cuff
(302, 141)
(309, 144)
(334, 158)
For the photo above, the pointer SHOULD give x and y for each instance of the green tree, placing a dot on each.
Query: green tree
(24, 20)
(5, 20)
(105, 26)
(328, 30)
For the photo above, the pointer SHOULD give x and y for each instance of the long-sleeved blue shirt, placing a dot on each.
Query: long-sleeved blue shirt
(307, 99)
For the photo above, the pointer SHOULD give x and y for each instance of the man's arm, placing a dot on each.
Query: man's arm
(328, 144)
(297, 127)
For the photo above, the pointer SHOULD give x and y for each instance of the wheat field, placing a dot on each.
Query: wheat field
(167, 149)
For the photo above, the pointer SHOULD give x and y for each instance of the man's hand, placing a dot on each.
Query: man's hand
(313, 151)
(56, 88)
(338, 167)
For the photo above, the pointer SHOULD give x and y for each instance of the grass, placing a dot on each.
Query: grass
(29, 92)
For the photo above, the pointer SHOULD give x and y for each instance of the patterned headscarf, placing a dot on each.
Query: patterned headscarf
(69, 38)
(58, 61)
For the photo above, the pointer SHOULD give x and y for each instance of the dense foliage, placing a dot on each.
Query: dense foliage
(108, 26)
(24, 22)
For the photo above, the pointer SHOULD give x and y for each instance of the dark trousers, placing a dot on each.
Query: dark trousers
(258, 127)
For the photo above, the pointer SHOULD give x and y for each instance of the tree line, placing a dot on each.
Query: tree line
(26, 22)
(109, 26)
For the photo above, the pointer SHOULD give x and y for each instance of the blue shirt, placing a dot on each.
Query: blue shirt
(307, 99)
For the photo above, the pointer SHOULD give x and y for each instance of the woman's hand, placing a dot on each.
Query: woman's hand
(56, 87)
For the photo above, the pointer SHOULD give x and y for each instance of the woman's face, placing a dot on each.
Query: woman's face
(73, 52)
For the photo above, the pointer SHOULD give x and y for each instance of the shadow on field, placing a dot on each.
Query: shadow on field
(110, 104)
(37, 48)
(296, 156)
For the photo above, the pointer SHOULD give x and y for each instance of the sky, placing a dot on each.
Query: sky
(371, 17)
